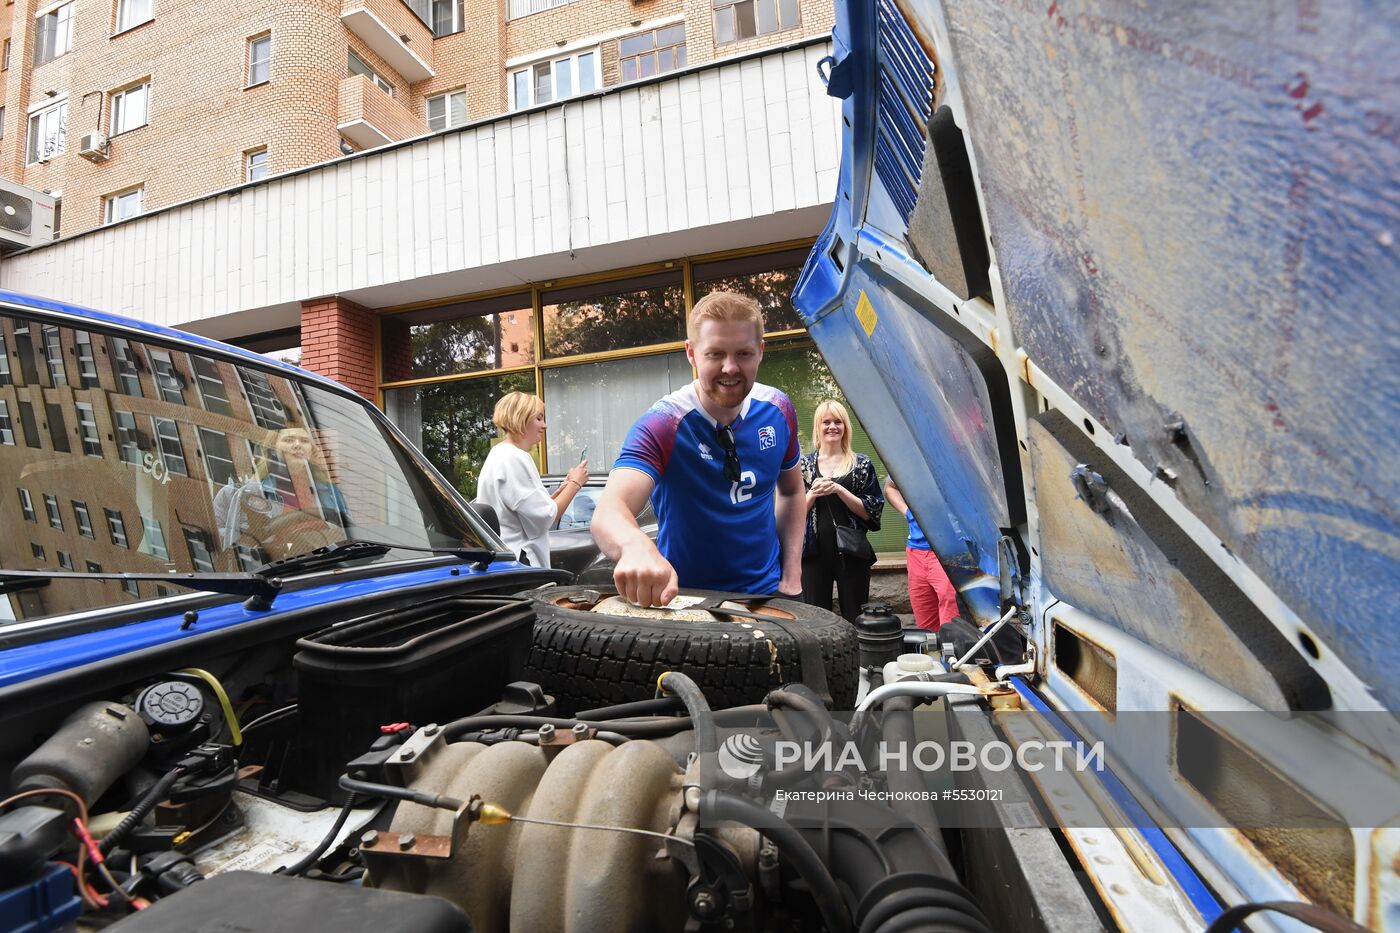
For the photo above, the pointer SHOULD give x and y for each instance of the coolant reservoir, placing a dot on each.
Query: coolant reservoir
(909, 667)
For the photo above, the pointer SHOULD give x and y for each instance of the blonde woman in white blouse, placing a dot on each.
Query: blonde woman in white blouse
(511, 484)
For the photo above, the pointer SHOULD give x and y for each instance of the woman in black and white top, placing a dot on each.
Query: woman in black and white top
(841, 490)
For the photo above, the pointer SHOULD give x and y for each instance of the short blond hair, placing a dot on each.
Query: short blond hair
(832, 407)
(514, 411)
(724, 306)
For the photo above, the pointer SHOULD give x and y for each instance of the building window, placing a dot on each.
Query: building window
(129, 441)
(30, 425)
(87, 363)
(83, 518)
(553, 80)
(5, 378)
(131, 588)
(87, 429)
(51, 509)
(37, 550)
(26, 505)
(122, 205)
(267, 407)
(116, 528)
(7, 426)
(197, 539)
(65, 560)
(170, 385)
(47, 128)
(218, 459)
(5, 57)
(132, 13)
(358, 66)
(58, 427)
(211, 386)
(2, 117)
(53, 33)
(171, 451)
(447, 110)
(153, 540)
(124, 364)
(163, 591)
(651, 53)
(249, 558)
(259, 60)
(94, 567)
(447, 17)
(745, 19)
(129, 108)
(53, 355)
(255, 165)
(637, 312)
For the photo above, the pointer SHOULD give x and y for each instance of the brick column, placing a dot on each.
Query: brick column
(337, 340)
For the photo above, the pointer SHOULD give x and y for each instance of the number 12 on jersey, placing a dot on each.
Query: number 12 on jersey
(742, 490)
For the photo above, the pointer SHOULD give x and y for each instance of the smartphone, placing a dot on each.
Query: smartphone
(583, 454)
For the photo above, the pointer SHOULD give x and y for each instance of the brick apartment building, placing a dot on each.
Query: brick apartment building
(193, 96)
(435, 201)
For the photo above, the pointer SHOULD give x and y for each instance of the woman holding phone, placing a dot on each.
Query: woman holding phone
(511, 484)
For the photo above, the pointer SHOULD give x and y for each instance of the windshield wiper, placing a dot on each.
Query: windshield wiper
(264, 589)
(354, 548)
(261, 586)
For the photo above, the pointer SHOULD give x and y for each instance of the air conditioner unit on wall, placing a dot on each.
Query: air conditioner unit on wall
(26, 217)
(94, 147)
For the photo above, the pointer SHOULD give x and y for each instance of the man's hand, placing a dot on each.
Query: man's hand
(643, 577)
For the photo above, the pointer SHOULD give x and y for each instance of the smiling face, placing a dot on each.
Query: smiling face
(725, 355)
(832, 428)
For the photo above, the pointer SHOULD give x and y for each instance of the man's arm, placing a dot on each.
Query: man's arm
(893, 497)
(791, 509)
(642, 575)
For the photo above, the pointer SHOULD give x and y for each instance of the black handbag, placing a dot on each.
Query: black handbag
(852, 544)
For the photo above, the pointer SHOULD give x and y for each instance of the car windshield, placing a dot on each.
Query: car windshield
(126, 455)
(579, 514)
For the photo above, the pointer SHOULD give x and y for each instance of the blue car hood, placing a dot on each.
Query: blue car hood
(1121, 287)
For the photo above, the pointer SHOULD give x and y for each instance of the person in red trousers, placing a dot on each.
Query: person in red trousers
(931, 593)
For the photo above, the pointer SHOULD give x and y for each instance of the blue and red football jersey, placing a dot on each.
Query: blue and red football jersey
(718, 534)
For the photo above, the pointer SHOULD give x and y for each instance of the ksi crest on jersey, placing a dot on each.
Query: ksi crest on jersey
(767, 437)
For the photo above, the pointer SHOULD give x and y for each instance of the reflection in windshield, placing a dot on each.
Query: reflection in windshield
(126, 456)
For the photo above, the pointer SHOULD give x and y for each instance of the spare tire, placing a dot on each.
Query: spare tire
(586, 658)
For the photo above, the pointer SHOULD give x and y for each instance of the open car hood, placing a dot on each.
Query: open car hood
(1114, 294)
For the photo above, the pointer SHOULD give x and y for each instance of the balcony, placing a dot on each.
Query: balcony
(518, 8)
(395, 33)
(368, 117)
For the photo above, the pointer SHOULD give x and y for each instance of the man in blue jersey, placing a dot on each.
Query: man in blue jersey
(718, 458)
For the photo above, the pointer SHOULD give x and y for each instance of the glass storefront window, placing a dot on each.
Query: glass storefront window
(769, 277)
(593, 404)
(801, 372)
(465, 337)
(451, 422)
(614, 315)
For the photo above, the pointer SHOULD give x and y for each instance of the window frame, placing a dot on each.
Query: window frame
(26, 506)
(250, 63)
(82, 517)
(730, 8)
(110, 205)
(58, 110)
(62, 26)
(119, 27)
(678, 56)
(7, 425)
(248, 166)
(117, 105)
(446, 98)
(152, 534)
(528, 69)
(52, 510)
(91, 440)
(52, 346)
(116, 528)
(368, 70)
